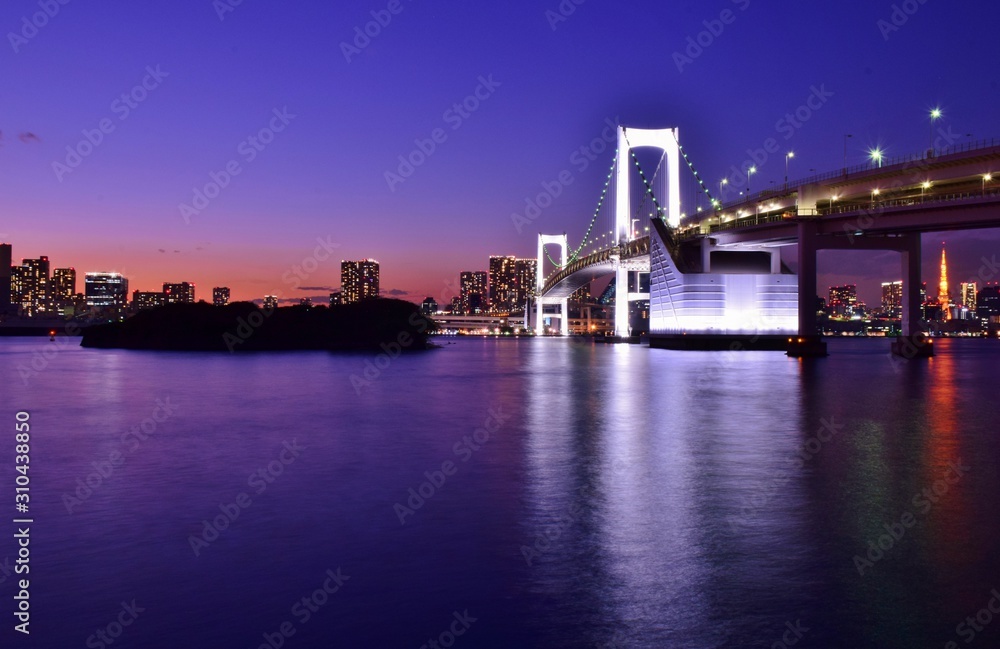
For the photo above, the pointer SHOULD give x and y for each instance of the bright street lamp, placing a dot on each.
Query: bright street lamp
(788, 156)
(935, 114)
(875, 192)
(986, 178)
(751, 170)
(875, 155)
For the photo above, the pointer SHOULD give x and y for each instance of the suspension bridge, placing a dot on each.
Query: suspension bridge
(716, 276)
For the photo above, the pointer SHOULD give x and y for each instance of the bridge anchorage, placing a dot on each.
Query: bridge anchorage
(718, 281)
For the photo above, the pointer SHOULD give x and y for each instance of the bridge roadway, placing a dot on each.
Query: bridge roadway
(633, 255)
(953, 190)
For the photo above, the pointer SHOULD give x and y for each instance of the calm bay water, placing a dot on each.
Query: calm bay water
(626, 497)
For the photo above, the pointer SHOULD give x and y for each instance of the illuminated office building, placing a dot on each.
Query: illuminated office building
(512, 282)
(359, 280)
(892, 299)
(105, 290)
(220, 295)
(843, 300)
(33, 286)
(474, 290)
(62, 289)
(182, 293)
(142, 300)
(968, 295)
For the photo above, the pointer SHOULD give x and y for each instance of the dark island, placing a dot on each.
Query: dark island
(378, 324)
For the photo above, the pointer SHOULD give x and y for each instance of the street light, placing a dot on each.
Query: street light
(846, 135)
(986, 178)
(924, 186)
(751, 170)
(788, 156)
(722, 183)
(876, 156)
(875, 192)
(935, 114)
(833, 199)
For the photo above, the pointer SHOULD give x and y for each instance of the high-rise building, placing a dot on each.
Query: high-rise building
(106, 290)
(526, 270)
(843, 300)
(182, 293)
(892, 299)
(6, 252)
(944, 297)
(359, 280)
(62, 288)
(142, 300)
(988, 301)
(512, 282)
(429, 306)
(220, 295)
(33, 286)
(968, 295)
(474, 290)
(503, 280)
(270, 302)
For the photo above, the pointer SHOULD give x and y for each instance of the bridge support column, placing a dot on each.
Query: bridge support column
(912, 343)
(621, 301)
(808, 342)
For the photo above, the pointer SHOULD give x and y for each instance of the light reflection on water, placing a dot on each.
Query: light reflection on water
(631, 497)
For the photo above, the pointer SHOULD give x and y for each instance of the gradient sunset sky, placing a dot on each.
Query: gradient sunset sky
(554, 79)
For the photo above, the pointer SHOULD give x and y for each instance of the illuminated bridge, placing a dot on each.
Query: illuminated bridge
(720, 273)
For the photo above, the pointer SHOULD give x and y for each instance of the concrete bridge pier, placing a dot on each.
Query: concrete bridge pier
(808, 342)
(912, 343)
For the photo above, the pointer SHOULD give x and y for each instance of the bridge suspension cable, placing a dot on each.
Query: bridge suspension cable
(590, 228)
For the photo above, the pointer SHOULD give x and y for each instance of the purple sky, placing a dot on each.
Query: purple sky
(550, 87)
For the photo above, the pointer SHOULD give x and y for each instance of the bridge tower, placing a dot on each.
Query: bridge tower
(665, 139)
(540, 301)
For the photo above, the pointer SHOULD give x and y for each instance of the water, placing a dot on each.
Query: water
(626, 497)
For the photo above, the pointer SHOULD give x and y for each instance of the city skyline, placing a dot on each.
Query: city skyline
(154, 129)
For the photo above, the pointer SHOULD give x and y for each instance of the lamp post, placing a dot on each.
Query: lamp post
(935, 114)
(876, 156)
(875, 192)
(846, 135)
(924, 186)
(788, 156)
(751, 170)
(722, 183)
(986, 178)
